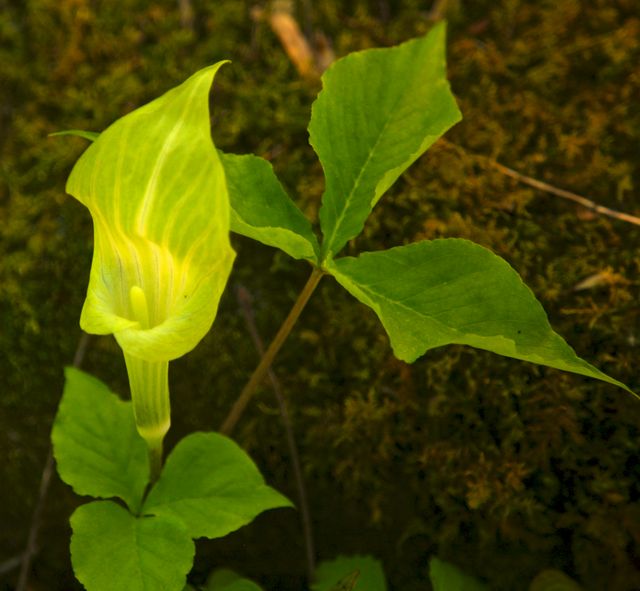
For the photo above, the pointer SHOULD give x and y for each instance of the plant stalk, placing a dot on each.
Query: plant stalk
(155, 462)
(149, 383)
(265, 363)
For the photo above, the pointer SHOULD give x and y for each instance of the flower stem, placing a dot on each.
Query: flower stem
(265, 363)
(149, 383)
(155, 461)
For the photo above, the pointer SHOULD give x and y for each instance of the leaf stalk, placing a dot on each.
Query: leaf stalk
(265, 363)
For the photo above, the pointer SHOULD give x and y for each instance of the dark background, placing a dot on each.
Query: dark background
(501, 467)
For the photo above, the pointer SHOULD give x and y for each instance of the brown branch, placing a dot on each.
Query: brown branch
(267, 359)
(546, 187)
(45, 480)
(244, 301)
(292, 39)
(438, 10)
(186, 14)
(8, 565)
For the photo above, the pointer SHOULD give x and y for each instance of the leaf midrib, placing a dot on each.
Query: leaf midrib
(329, 241)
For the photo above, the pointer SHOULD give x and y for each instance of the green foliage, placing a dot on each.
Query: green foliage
(427, 294)
(262, 210)
(524, 467)
(97, 448)
(207, 488)
(350, 573)
(447, 577)
(377, 113)
(553, 580)
(92, 136)
(379, 110)
(435, 293)
(226, 580)
(211, 485)
(113, 549)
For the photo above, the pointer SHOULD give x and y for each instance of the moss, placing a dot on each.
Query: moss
(501, 467)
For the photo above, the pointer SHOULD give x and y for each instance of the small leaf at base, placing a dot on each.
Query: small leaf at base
(227, 580)
(111, 550)
(350, 573)
(446, 577)
(211, 484)
(95, 443)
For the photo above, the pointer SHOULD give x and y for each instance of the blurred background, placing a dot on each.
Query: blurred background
(503, 468)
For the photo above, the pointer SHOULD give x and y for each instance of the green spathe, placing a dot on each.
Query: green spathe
(112, 550)
(378, 111)
(156, 190)
(452, 291)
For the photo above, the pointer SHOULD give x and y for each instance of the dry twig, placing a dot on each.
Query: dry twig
(244, 300)
(546, 187)
(186, 14)
(32, 539)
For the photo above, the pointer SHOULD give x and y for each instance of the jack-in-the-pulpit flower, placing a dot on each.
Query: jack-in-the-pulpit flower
(156, 190)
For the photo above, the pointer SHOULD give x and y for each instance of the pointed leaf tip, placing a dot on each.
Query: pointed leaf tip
(452, 291)
(211, 485)
(378, 111)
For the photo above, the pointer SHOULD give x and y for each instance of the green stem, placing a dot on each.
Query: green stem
(149, 383)
(267, 359)
(155, 461)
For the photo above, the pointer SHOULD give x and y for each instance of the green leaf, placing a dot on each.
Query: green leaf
(340, 575)
(111, 550)
(156, 190)
(227, 580)
(553, 580)
(262, 210)
(212, 486)
(97, 448)
(379, 110)
(452, 291)
(446, 577)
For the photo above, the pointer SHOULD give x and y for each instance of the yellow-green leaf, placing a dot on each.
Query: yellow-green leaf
(262, 210)
(378, 112)
(113, 550)
(452, 291)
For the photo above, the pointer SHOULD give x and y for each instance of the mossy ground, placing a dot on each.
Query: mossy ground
(501, 467)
